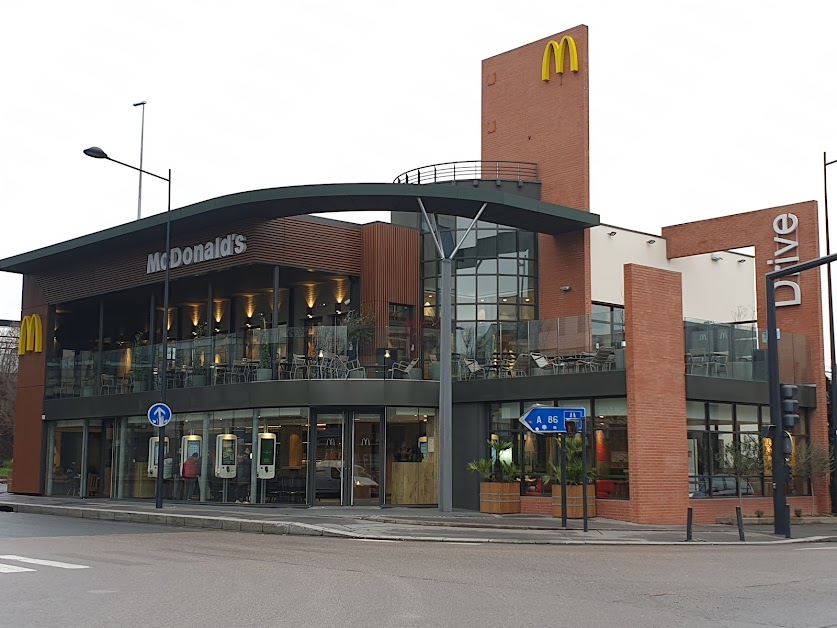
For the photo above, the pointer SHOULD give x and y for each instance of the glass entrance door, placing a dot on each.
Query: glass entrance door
(366, 458)
(329, 468)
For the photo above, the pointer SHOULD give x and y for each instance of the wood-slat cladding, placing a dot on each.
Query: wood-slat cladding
(389, 270)
(284, 241)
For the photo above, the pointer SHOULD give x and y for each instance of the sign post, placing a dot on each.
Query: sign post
(159, 415)
(549, 420)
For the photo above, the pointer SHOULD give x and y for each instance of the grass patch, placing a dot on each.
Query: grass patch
(6, 469)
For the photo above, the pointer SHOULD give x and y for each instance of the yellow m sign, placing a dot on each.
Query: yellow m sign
(557, 49)
(31, 335)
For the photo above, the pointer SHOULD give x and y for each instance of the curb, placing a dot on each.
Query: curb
(290, 528)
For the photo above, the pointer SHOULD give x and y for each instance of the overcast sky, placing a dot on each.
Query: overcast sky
(698, 109)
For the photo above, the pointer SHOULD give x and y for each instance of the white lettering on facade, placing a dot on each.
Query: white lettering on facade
(233, 244)
(786, 253)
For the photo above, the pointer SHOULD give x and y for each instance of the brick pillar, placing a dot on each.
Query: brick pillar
(29, 404)
(657, 449)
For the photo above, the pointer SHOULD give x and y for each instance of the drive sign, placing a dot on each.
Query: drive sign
(548, 420)
(159, 415)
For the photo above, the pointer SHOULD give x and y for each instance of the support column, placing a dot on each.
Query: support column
(655, 346)
(204, 459)
(85, 437)
(50, 457)
(445, 390)
(254, 458)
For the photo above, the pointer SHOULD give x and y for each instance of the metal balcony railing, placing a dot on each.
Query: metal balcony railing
(471, 170)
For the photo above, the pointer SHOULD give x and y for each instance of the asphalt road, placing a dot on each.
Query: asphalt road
(75, 572)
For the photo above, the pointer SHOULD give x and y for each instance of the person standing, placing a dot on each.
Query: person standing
(191, 472)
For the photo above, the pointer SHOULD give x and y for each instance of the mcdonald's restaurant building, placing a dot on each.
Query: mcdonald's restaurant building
(301, 354)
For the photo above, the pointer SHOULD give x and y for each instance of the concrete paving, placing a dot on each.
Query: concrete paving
(413, 524)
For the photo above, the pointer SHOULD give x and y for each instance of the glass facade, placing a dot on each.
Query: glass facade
(719, 435)
(265, 456)
(495, 286)
(538, 455)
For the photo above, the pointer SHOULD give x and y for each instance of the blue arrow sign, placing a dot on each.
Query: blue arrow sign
(159, 415)
(547, 420)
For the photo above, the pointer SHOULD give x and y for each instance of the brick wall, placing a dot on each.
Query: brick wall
(525, 118)
(657, 455)
(708, 510)
(531, 505)
(755, 229)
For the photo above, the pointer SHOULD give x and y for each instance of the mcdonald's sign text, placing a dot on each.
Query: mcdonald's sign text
(31, 335)
(557, 49)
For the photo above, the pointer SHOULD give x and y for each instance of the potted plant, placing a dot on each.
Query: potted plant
(500, 485)
(741, 460)
(142, 380)
(360, 331)
(88, 385)
(575, 481)
(265, 371)
(199, 375)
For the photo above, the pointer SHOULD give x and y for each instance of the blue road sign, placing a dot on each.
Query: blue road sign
(159, 415)
(548, 420)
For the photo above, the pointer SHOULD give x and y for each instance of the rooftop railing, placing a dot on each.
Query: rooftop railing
(739, 351)
(471, 170)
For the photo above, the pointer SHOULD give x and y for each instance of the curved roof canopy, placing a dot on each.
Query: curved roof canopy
(454, 200)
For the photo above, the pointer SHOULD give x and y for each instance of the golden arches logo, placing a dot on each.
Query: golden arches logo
(567, 43)
(31, 335)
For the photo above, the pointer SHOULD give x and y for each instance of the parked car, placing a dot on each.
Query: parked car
(330, 472)
(722, 486)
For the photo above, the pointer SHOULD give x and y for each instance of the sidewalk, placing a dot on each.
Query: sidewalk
(405, 524)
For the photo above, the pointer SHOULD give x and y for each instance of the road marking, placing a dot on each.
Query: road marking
(44, 563)
(12, 569)
(803, 549)
(379, 540)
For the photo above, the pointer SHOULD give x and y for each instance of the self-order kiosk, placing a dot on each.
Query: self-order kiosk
(266, 469)
(153, 453)
(225, 455)
(189, 445)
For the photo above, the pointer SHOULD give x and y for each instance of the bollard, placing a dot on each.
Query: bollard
(689, 515)
(740, 523)
(787, 518)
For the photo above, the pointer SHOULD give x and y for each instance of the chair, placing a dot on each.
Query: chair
(405, 368)
(108, 385)
(544, 364)
(697, 360)
(599, 361)
(718, 364)
(520, 366)
(93, 485)
(299, 367)
(473, 369)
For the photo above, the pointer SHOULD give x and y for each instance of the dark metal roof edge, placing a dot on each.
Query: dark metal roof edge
(352, 192)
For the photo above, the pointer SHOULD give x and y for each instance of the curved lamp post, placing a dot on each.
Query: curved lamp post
(98, 153)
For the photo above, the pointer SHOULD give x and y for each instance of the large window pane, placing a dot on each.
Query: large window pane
(411, 456)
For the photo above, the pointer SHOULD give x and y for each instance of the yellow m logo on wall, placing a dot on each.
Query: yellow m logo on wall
(31, 335)
(567, 43)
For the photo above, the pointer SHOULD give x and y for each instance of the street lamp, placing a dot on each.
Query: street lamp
(142, 104)
(98, 153)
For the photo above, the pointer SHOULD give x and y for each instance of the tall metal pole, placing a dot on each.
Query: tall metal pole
(832, 423)
(165, 361)
(445, 390)
(142, 141)
(780, 519)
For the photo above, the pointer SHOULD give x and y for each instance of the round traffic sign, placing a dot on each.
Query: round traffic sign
(159, 415)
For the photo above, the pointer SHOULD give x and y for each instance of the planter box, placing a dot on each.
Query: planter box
(500, 498)
(575, 503)
(198, 380)
(264, 375)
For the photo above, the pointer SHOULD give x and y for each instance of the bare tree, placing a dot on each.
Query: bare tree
(9, 337)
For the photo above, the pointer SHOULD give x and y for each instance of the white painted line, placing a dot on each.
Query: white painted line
(378, 540)
(803, 549)
(12, 569)
(44, 563)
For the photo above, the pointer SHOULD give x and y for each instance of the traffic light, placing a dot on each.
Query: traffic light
(571, 426)
(790, 405)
